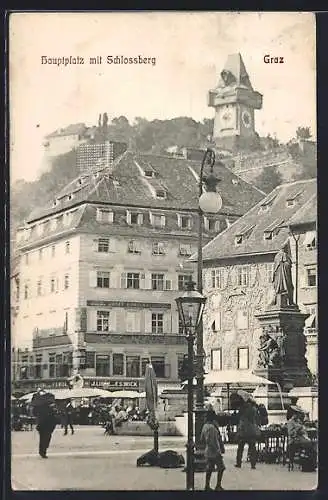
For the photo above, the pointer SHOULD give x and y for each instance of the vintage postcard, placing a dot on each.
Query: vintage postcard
(163, 251)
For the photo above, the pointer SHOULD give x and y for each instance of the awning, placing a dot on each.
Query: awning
(309, 237)
(234, 377)
(310, 321)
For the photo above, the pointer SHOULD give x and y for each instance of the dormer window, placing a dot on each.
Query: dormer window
(243, 234)
(55, 203)
(157, 220)
(292, 200)
(272, 230)
(134, 218)
(267, 203)
(70, 196)
(104, 215)
(184, 221)
(160, 193)
(211, 224)
(149, 173)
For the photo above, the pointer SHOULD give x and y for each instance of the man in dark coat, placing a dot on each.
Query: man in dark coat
(46, 416)
(248, 431)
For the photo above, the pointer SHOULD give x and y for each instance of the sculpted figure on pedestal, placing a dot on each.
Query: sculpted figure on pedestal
(282, 277)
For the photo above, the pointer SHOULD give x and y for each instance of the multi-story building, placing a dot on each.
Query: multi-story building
(63, 140)
(102, 264)
(238, 270)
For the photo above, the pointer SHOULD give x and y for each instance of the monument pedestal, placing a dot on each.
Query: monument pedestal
(285, 364)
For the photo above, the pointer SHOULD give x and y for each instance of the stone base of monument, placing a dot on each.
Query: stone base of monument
(285, 326)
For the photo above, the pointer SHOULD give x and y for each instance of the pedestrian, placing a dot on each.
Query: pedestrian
(248, 429)
(214, 448)
(46, 415)
(68, 417)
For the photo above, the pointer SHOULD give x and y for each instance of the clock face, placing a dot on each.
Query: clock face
(246, 118)
(227, 118)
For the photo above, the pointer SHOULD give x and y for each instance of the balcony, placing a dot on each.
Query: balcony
(135, 338)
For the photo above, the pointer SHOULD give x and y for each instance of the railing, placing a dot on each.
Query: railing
(138, 338)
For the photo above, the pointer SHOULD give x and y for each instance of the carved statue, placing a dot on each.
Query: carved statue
(281, 340)
(282, 277)
(227, 78)
(269, 351)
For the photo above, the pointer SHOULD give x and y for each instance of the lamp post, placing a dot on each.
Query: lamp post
(190, 308)
(209, 202)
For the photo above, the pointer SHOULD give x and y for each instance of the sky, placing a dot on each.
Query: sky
(190, 50)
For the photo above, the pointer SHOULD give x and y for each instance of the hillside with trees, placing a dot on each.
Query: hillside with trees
(155, 136)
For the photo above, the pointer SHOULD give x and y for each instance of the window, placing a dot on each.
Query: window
(185, 250)
(216, 359)
(118, 364)
(158, 363)
(310, 242)
(157, 322)
(213, 225)
(216, 278)
(158, 248)
(184, 221)
(134, 247)
(242, 276)
(183, 279)
(132, 321)
(242, 319)
(134, 218)
(268, 235)
(38, 366)
(216, 323)
(66, 281)
(90, 359)
(181, 328)
(59, 364)
(157, 281)
(103, 279)
(53, 251)
(268, 273)
(157, 220)
(160, 193)
(311, 276)
(26, 291)
(102, 365)
(52, 365)
(133, 280)
(133, 366)
(67, 247)
(238, 239)
(290, 203)
(52, 285)
(104, 215)
(40, 253)
(243, 358)
(102, 321)
(39, 288)
(103, 245)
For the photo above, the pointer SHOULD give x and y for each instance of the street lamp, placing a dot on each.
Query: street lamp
(210, 202)
(190, 308)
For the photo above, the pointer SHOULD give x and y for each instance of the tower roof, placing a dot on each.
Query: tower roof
(234, 73)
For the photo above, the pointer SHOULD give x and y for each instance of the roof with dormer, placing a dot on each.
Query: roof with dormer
(271, 216)
(125, 183)
(306, 215)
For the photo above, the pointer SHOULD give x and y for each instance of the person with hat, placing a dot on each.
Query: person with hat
(214, 448)
(298, 438)
(46, 415)
(248, 429)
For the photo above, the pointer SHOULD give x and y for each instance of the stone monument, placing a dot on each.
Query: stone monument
(281, 353)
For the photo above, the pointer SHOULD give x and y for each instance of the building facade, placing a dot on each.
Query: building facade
(102, 264)
(238, 271)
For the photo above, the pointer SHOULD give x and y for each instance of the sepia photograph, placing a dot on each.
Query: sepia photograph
(163, 251)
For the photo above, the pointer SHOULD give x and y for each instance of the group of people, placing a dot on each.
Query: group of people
(250, 418)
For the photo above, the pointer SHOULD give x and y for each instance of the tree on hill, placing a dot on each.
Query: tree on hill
(268, 179)
(303, 133)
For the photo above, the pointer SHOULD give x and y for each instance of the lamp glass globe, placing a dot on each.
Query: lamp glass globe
(210, 202)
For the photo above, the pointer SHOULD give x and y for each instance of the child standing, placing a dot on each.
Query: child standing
(214, 448)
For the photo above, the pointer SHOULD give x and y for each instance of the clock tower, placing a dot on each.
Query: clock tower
(235, 101)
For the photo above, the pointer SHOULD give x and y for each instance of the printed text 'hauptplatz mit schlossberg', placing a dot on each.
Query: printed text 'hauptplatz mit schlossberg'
(111, 59)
